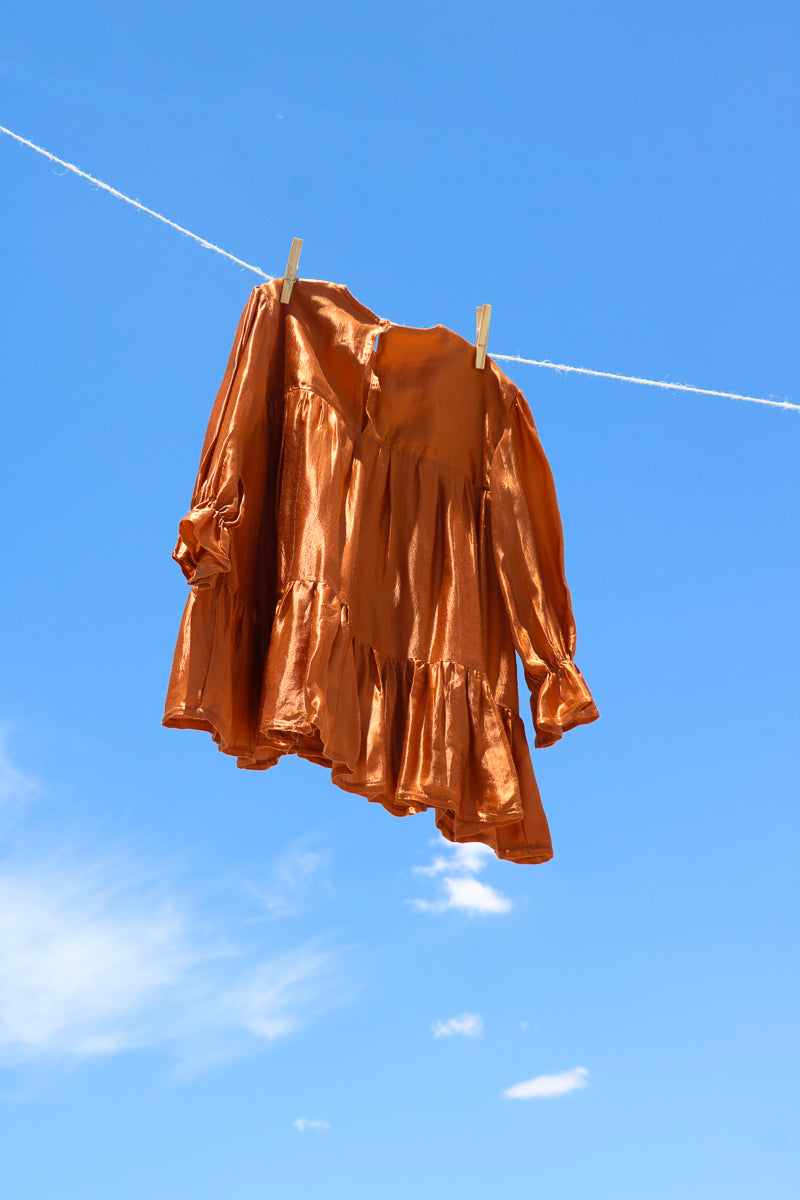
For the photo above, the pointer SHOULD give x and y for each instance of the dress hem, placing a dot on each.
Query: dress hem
(264, 756)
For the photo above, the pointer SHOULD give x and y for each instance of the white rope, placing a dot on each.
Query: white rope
(680, 387)
(135, 203)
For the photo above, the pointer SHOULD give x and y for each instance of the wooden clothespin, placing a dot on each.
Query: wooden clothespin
(291, 270)
(484, 316)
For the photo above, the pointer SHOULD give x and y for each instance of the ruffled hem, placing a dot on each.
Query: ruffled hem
(562, 702)
(215, 680)
(407, 735)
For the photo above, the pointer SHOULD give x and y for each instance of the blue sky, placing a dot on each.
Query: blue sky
(217, 983)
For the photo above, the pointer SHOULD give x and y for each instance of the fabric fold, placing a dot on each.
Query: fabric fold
(528, 547)
(373, 533)
(215, 676)
(203, 546)
(407, 735)
(562, 702)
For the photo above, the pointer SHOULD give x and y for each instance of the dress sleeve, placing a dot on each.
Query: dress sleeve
(203, 550)
(529, 556)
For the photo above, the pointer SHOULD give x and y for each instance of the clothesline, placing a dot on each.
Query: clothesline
(681, 387)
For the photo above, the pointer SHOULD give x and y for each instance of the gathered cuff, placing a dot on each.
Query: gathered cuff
(562, 702)
(202, 550)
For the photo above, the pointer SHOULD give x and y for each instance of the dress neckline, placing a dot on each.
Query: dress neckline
(384, 323)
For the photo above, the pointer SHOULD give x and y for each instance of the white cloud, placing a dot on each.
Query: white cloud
(469, 896)
(468, 1025)
(544, 1086)
(303, 1123)
(465, 857)
(458, 890)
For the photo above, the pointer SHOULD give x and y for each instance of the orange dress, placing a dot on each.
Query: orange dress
(374, 531)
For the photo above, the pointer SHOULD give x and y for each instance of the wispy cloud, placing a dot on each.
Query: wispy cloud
(545, 1086)
(102, 953)
(303, 1123)
(454, 870)
(468, 1025)
(297, 873)
(98, 961)
(16, 787)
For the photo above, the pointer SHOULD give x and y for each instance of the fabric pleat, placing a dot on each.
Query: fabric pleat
(372, 539)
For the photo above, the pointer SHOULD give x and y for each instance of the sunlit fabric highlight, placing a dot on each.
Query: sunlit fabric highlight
(373, 533)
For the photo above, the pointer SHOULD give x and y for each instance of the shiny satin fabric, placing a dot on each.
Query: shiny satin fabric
(373, 533)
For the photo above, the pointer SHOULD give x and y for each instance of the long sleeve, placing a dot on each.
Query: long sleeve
(229, 473)
(529, 556)
(227, 543)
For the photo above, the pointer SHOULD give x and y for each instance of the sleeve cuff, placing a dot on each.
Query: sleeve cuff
(203, 545)
(563, 701)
